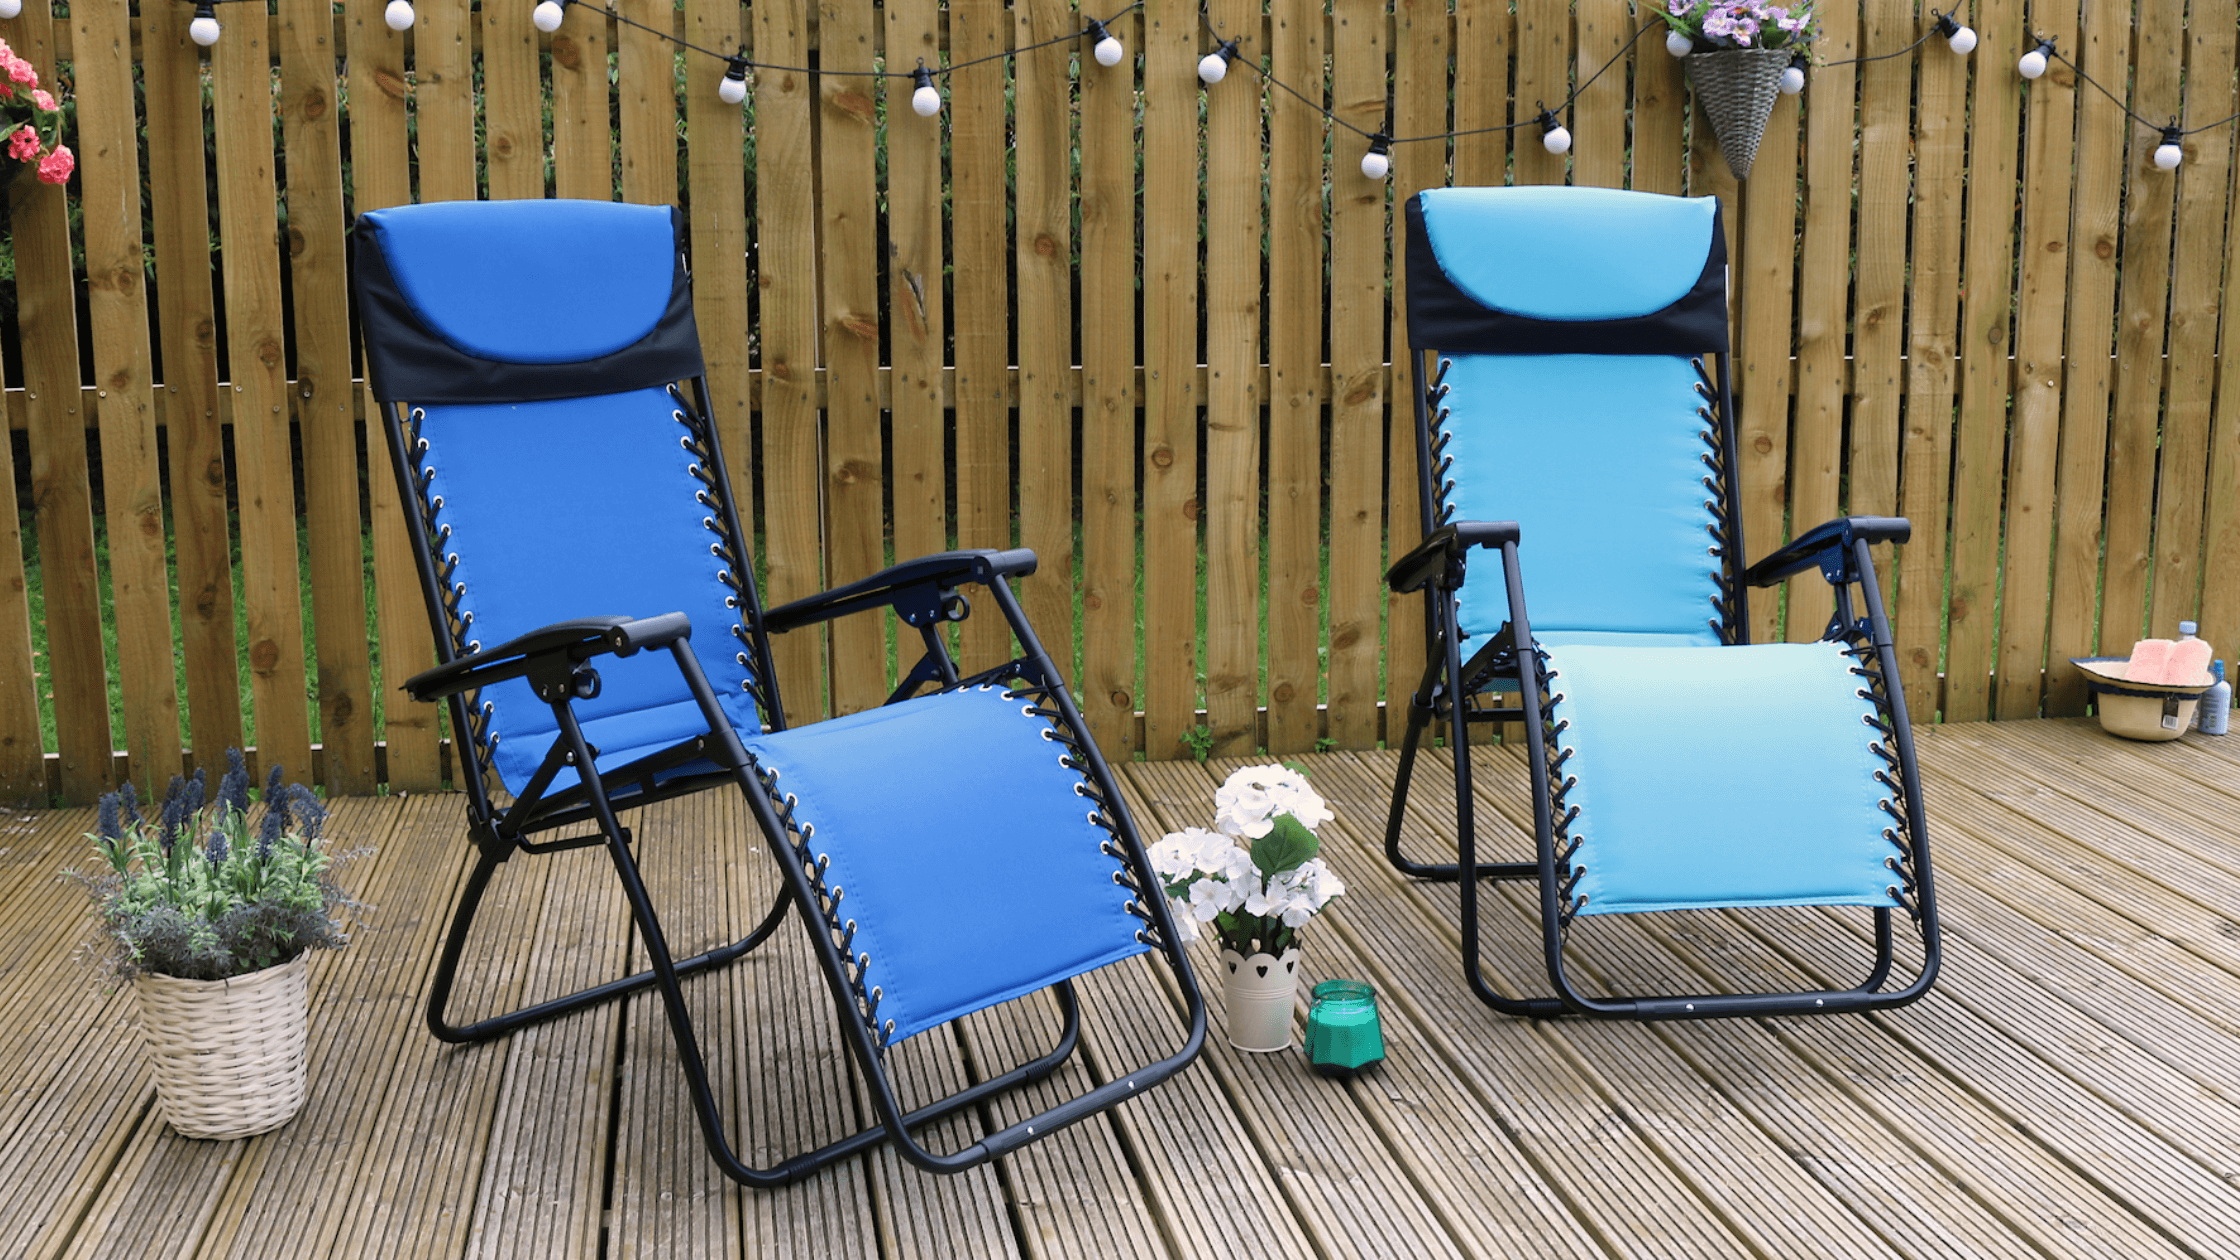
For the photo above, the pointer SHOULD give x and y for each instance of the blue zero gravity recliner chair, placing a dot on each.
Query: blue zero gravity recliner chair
(548, 417)
(1570, 426)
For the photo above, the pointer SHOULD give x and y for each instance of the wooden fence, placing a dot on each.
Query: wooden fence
(1103, 313)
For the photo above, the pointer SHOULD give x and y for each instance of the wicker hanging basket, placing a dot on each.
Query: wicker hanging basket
(228, 1055)
(1736, 87)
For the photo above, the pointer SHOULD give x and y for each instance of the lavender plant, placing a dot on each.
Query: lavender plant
(201, 893)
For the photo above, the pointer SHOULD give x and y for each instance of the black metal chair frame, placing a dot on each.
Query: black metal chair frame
(1452, 687)
(558, 663)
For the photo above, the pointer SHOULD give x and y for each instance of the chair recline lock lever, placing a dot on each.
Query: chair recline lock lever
(931, 604)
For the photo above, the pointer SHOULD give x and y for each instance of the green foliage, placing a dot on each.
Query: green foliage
(1288, 844)
(1199, 740)
(193, 893)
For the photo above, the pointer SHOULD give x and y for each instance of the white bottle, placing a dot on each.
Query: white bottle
(2215, 710)
(2188, 630)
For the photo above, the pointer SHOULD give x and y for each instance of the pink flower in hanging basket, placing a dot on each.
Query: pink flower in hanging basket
(56, 166)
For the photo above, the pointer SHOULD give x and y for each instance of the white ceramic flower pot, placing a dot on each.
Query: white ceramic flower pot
(1259, 991)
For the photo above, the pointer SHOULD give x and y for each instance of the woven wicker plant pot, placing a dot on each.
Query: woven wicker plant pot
(1737, 87)
(228, 1055)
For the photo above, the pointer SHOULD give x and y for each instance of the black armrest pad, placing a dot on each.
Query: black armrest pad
(946, 568)
(1431, 557)
(1805, 550)
(581, 638)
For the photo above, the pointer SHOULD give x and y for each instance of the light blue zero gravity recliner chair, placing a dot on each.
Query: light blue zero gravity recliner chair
(1571, 427)
(591, 588)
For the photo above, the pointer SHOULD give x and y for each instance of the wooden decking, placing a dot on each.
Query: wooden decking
(2071, 1088)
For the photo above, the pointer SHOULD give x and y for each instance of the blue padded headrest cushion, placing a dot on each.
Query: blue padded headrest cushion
(532, 281)
(1568, 253)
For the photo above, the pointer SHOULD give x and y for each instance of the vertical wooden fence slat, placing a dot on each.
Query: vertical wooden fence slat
(786, 262)
(2197, 261)
(582, 144)
(1987, 318)
(1660, 107)
(187, 321)
(2134, 431)
(23, 769)
(1925, 453)
(61, 491)
(241, 79)
(1421, 54)
(1357, 321)
(854, 466)
(1483, 37)
(2220, 544)
(1108, 406)
(2031, 502)
(980, 296)
(917, 327)
(116, 297)
(1043, 257)
(325, 394)
(1598, 118)
(443, 98)
(513, 104)
(1233, 356)
(1766, 275)
(1295, 239)
(1823, 294)
(1543, 79)
(380, 176)
(645, 78)
(718, 227)
(1879, 295)
(2102, 49)
(1170, 367)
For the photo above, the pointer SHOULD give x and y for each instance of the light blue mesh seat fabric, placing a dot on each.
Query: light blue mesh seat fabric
(968, 861)
(1721, 777)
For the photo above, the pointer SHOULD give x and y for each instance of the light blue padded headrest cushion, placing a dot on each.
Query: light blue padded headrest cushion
(535, 281)
(1564, 253)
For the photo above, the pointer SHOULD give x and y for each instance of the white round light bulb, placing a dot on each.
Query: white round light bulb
(1375, 165)
(548, 16)
(926, 100)
(10, 8)
(1678, 45)
(731, 91)
(1792, 81)
(1213, 68)
(2032, 65)
(398, 15)
(204, 31)
(1558, 140)
(1109, 51)
(2167, 157)
(1964, 40)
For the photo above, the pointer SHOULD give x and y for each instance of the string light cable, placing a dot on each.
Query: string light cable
(2169, 153)
(925, 98)
(1377, 162)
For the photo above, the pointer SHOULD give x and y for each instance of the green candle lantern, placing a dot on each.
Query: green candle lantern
(1343, 1033)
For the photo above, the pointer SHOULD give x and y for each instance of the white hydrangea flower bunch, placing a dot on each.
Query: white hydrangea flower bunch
(1258, 893)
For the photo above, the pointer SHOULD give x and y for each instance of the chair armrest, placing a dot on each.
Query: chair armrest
(943, 570)
(1435, 556)
(1806, 550)
(576, 640)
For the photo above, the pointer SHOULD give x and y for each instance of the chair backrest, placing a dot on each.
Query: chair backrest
(531, 347)
(1568, 322)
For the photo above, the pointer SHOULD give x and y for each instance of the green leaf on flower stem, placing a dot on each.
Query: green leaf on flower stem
(1286, 845)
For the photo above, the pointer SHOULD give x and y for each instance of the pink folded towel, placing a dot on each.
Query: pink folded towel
(2161, 661)
(2150, 661)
